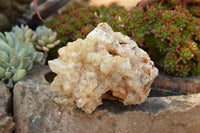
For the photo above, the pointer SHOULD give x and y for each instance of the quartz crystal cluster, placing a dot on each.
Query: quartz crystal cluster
(105, 64)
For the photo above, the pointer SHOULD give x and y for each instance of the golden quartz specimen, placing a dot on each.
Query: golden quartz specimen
(105, 64)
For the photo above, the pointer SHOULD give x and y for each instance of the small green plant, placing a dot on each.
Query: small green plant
(174, 40)
(46, 39)
(18, 53)
(17, 57)
(24, 33)
(79, 19)
(169, 33)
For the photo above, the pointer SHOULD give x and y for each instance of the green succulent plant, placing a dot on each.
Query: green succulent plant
(25, 33)
(18, 53)
(79, 19)
(174, 36)
(46, 39)
(16, 57)
(170, 32)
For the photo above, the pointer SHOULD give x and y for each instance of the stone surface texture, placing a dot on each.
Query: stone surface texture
(105, 61)
(6, 122)
(186, 85)
(37, 109)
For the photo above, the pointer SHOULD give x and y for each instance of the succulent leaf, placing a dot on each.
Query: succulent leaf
(51, 45)
(52, 38)
(8, 73)
(4, 46)
(2, 72)
(14, 61)
(28, 33)
(27, 63)
(19, 74)
(33, 38)
(44, 38)
(4, 56)
(41, 42)
(39, 57)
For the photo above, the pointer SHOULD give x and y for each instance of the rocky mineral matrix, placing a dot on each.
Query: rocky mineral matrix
(105, 61)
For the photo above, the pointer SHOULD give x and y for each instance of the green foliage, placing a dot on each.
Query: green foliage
(169, 32)
(79, 19)
(17, 54)
(24, 33)
(195, 10)
(177, 26)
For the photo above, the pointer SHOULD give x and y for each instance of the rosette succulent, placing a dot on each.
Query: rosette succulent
(46, 38)
(25, 33)
(16, 56)
(18, 53)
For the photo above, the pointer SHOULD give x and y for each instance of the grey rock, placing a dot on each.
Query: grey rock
(10, 11)
(46, 8)
(187, 85)
(4, 22)
(36, 110)
(6, 122)
(5, 97)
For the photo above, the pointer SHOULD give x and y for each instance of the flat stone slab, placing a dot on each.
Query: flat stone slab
(36, 110)
(187, 85)
(6, 122)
